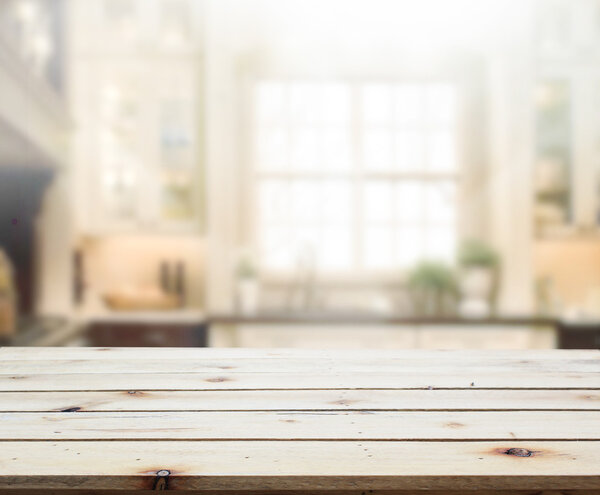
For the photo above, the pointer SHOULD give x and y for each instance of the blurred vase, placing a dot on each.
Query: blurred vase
(476, 286)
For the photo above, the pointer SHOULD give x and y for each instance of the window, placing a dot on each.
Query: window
(358, 177)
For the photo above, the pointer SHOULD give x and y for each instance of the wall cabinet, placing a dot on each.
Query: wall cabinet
(579, 336)
(118, 334)
(136, 86)
(567, 167)
(567, 95)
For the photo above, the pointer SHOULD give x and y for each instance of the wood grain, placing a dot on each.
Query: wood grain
(259, 400)
(303, 425)
(294, 366)
(460, 379)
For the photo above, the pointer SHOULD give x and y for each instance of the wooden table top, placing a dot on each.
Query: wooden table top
(291, 421)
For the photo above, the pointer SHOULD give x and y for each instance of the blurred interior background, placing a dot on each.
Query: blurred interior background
(300, 173)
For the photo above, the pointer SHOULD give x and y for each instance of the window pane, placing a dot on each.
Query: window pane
(274, 202)
(410, 147)
(272, 148)
(441, 202)
(378, 247)
(336, 205)
(409, 245)
(336, 149)
(409, 104)
(441, 243)
(336, 249)
(377, 104)
(378, 149)
(305, 149)
(442, 151)
(306, 243)
(378, 202)
(305, 202)
(306, 104)
(276, 248)
(270, 103)
(336, 104)
(409, 202)
(441, 104)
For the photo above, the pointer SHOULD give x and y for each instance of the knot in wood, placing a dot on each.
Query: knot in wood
(519, 452)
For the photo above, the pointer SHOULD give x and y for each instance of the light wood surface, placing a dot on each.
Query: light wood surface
(281, 400)
(448, 378)
(283, 421)
(291, 365)
(129, 353)
(296, 425)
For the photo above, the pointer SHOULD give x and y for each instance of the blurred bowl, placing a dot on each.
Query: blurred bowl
(140, 299)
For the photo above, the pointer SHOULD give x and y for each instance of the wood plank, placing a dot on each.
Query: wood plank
(275, 420)
(281, 400)
(260, 465)
(303, 425)
(129, 353)
(303, 492)
(267, 381)
(295, 365)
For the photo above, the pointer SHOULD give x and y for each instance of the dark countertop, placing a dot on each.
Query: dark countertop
(331, 318)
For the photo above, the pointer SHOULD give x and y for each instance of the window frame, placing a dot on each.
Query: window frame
(251, 175)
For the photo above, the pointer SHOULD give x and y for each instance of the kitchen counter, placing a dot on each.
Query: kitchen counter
(378, 331)
(319, 329)
(179, 316)
(193, 327)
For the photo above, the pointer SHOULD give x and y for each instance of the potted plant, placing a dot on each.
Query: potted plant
(479, 276)
(433, 289)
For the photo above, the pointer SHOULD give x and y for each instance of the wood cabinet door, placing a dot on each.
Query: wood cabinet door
(146, 335)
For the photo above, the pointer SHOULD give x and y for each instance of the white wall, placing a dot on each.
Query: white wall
(55, 240)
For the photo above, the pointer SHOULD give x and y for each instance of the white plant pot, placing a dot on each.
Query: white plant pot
(476, 289)
(248, 292)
